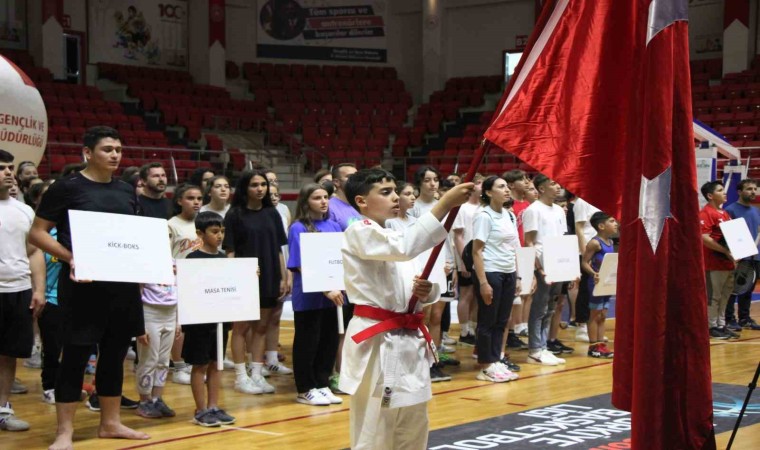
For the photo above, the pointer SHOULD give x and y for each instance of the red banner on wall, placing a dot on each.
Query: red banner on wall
(736, 10)
(216, 22)
(52, 8)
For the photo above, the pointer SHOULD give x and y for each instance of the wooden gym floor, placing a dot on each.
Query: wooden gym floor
(276, 421)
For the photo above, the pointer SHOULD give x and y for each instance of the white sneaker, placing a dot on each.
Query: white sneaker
(540, 358)
(228, 364)
(131, 356)
(552, 357)
(48, 396)
(265, 387)
(492, 373)
(581, 334)
(182, 376)
(8, 420)
(447, 340)
(246, 386)
(34, 361)
(446, 349)
(511, 376)
(18, 387)
(276, 369)
(327, 393)
(314, 398)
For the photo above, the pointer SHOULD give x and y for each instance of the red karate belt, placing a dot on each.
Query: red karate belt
(391, 320)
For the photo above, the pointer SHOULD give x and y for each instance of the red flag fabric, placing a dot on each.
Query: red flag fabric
(601, 103)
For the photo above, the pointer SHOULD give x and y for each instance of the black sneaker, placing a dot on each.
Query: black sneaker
(729, 333)
(224, 418)
(468, 340)
(749, 324)
(93, 403)
(563, 347)
(554, 347)
(436, 374)
(165, 410)
(510, 365)
(128, 404)
(515, 342)
(717, 333)
(733, 325)
(206, 418)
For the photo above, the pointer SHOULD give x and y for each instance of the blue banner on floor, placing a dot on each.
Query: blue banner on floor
(590, 423)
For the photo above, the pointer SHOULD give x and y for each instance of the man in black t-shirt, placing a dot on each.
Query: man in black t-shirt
(108, 314)
(153, 202)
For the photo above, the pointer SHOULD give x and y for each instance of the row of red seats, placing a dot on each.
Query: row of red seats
(336, 110)
(448, 110)
(122, 73)
(269, 70)
(730, 118)
(68, 90)
(491, 84)
(726, 91)
(137, 87)
(741, 133)
(726, 105)
(358, 134)
(75, 119)
(321, 84)
(270, 97)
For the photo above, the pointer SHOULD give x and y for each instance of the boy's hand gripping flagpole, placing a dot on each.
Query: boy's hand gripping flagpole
(480, 153)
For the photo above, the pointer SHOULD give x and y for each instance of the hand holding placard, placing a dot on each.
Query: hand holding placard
(738, 238)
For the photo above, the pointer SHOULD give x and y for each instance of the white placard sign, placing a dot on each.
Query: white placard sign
(560, 258)
(738, 238)
(121, 248)
(322, 262)
(526, 266)
(607, 276)
(217, 290)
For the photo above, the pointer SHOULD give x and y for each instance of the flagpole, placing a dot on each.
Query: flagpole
(480, 153)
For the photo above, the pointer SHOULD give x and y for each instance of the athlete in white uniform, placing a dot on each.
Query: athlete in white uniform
(387, 358)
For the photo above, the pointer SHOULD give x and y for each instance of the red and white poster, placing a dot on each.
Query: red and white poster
(339, 30)
(23, 118)
(139, 32)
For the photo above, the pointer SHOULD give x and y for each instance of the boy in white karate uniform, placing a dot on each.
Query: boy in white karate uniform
(386, 363)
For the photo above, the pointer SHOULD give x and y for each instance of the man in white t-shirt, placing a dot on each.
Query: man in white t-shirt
(582, 210)
(22, 289)
(462, 230)
(541, 220)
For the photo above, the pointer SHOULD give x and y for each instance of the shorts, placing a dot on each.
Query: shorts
(16, 332)
(199, 347)
(268, 302)
(464, 281)
(93, 310)
(599, 303)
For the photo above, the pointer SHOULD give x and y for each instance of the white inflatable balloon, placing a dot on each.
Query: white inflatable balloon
(23, 118)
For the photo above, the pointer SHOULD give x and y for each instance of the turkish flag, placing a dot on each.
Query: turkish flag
(601, 103)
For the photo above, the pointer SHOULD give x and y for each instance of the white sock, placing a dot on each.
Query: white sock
(179, 364)
(501, 355)
(465, 330)
(240, 371)
(257, 366)
(271, 357)
(472, 326)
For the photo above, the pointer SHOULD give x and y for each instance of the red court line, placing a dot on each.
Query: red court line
(290, 419)
(471, 399)
(226, 430)
(517, 404)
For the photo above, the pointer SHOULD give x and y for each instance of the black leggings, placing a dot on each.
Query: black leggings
(51, 335)
(315, 346)
(582, 311)
(112, 349)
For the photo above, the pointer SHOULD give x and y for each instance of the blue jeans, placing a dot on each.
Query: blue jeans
(541, 312)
